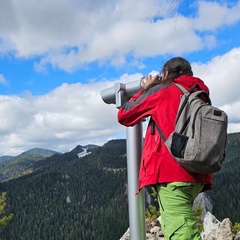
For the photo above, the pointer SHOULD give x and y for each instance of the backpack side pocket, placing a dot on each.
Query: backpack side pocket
(178, 145)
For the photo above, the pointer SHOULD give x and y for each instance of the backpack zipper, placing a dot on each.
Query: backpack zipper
(194, 119)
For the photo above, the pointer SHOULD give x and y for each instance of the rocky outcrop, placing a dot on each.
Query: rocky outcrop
(213, 229)
(205, 202)
(153, 231)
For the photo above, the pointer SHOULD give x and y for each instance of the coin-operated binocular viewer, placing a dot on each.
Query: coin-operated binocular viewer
(119, 94)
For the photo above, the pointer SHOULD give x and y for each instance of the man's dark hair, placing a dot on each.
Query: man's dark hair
(177, 67)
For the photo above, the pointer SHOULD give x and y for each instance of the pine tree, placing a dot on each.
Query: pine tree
(4, 219)
(153, 212)
(197, 214)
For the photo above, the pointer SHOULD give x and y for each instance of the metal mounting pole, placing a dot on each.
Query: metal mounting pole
(136, 202)
(119, 94)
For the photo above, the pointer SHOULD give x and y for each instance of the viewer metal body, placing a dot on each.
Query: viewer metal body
(119, 94)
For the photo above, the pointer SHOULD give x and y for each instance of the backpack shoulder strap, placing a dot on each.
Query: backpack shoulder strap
(188, 93)
(153, 126)
(184, 90)
(204, 94)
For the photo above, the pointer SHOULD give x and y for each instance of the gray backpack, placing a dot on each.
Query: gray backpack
(199, 138)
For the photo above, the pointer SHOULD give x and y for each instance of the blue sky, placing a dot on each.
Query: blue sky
(56, 57)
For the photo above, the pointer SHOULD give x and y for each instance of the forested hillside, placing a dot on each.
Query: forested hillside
(12, 167)
(226, 187)
(67, 197)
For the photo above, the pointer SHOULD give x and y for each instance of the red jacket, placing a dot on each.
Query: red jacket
(161, 103)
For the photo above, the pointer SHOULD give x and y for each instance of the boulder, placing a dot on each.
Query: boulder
(214, 229)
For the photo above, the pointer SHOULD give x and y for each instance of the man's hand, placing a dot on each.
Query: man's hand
(149, 80)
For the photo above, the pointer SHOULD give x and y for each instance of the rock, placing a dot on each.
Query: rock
(126, 235)
(156, 232)
(214, 229)
(206, 204)
(153, 231)
(237, 237)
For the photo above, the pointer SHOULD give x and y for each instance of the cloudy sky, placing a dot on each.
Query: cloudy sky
(57, 56)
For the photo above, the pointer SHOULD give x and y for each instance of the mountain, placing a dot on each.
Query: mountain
(67, 197)
(14, 166)
(39, 151)
(5, 158)
(78, 149)
(83, 150)
(226, 183)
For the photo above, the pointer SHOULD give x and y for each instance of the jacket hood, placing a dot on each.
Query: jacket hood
(188, 81)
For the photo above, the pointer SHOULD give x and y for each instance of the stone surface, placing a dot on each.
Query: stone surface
(213, 229)
(237, 237)
(205, 202)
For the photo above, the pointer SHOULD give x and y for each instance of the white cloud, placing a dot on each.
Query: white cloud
(75, 113)
(69, 115)
(233, 127)
(138, 38)
(72, 33)
(213, 15)
(233, 111)
(222, 76)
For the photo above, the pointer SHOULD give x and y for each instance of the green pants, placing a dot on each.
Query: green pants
(177, 219)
